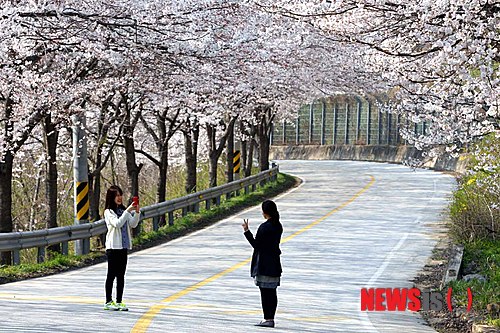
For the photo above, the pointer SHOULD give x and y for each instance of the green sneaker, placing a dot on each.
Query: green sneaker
(111, 306)
(121, 307)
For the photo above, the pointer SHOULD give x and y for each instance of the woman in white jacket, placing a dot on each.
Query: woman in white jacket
(119, 220)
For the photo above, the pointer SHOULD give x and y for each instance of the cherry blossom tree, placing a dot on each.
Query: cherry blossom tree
(157, 71)
(439, 57)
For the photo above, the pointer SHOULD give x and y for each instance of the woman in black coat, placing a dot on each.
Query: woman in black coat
(266, 265)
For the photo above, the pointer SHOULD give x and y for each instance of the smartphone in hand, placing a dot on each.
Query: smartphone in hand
(135, 200)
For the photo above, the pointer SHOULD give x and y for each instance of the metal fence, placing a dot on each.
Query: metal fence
(40, 239)
(343, 120)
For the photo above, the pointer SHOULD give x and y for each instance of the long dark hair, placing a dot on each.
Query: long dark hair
(270, 208)
(111, 194)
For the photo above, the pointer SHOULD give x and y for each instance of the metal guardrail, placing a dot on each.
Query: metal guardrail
(15, 241)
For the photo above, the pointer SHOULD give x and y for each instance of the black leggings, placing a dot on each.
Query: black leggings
(269, 302)
(117, 264)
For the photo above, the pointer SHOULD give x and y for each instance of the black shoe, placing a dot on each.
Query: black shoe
(266, 323)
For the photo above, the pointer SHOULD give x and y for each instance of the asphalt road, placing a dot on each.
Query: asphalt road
(350, 225)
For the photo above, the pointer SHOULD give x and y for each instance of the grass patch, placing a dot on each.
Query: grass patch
(486, 255)
(182, 226)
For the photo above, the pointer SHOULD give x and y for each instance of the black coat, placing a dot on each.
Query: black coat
(266, 253)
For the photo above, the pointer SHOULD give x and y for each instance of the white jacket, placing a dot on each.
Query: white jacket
(114, 225)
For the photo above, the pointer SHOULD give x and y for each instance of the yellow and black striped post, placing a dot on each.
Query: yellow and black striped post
(82, 201)
(236, 162)
(81, 179)
(236, 166)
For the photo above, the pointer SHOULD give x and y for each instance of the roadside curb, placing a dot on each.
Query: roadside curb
(453, 265)
(479, 328)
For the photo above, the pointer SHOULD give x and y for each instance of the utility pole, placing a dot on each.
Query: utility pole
(81, 179)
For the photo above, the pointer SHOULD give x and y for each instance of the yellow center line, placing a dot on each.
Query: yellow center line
(143, 323)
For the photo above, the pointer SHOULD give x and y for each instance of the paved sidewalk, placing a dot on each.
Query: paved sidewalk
(349, 225)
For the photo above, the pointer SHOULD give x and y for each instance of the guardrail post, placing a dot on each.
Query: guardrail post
(64, 248)
(41, 254)
(217, 200)
(170, 218)
(16, 257)
(196, 207)
(184, 211)
(254, 187)
(156, 223)
(247, 190)
(207, 204)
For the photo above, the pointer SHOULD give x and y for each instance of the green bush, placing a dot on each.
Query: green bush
(475, 206)
(475, 222)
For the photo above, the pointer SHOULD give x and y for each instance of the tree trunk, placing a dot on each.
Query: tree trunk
(51, 136)
(249, 150)
(215, 150)
(6, 201)
(133, 169)
(212, 156)
(264, 135)
(191, 150)
(11, 146)
(244, 157)
(212, 170)
(95, 195)
(230, 154)
(249, 166)
(162, 181)
(95, 198)
(94, 177)
(35, 207)
(263, 151)
(114, 178)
